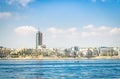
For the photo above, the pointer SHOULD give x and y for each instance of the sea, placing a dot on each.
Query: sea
(60, 69)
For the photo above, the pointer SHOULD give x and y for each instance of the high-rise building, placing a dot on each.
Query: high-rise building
(38, 39)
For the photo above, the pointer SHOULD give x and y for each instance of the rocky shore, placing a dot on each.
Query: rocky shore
(62, 58)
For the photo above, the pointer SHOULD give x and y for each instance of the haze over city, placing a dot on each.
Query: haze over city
(64, 23)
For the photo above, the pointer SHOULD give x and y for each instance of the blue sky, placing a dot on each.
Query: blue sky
(64, 23)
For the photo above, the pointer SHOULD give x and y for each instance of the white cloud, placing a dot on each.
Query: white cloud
(115, 31)
(89, 27)
(73, 29)
(102, 31)
(96, 29)
(104, 28)
(54, 36)
(25, 30)
(58, 32)
(54, 30)
(88, 34)
(87, 31)
(4, 14)
(20, 2)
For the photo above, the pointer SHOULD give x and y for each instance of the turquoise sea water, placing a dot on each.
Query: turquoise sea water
(60, 69)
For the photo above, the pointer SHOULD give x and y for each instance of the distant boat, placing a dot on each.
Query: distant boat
(76, 61)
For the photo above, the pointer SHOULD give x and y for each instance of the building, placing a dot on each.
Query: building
(38, 39)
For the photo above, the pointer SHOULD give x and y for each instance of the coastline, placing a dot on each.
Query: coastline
(64, 58)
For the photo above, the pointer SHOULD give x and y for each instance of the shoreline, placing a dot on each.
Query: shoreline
(64, 58)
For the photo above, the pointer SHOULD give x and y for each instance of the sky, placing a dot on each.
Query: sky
(64, 23)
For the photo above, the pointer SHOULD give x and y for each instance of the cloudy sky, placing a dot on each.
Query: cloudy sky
(64, 23)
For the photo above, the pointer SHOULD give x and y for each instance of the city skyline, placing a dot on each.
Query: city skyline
(64, 23)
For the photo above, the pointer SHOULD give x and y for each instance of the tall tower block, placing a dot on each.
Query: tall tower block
(38, 39)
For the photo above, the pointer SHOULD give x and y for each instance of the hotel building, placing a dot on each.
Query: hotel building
(38, 40)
